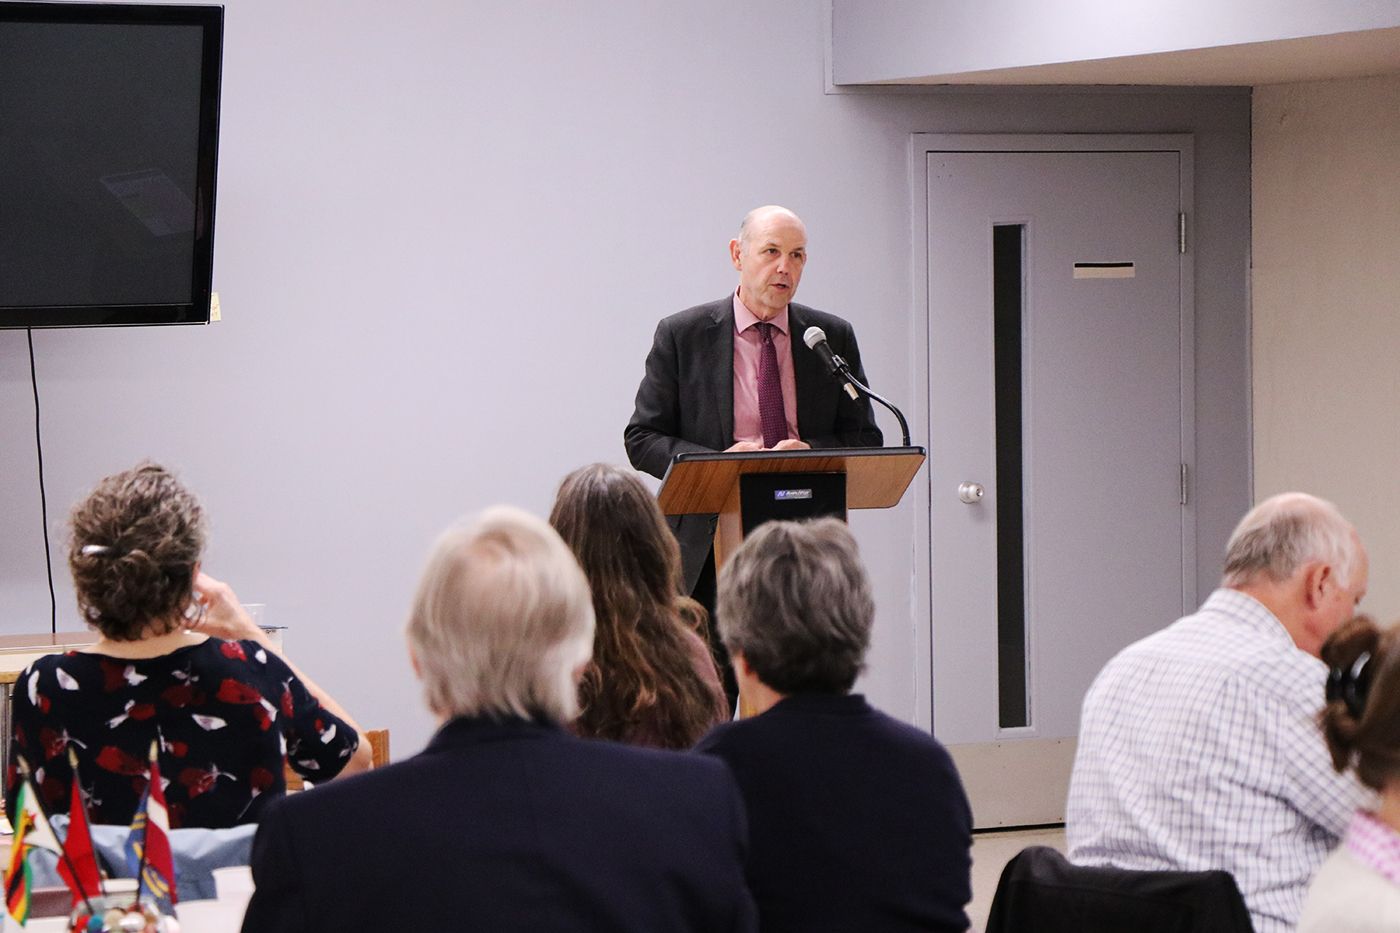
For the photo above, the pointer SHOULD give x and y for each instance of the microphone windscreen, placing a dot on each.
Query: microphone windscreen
(813, 336)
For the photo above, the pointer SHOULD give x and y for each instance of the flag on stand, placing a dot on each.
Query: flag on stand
(32, 831)
(18, 882)
(79, 865)
(148, 846)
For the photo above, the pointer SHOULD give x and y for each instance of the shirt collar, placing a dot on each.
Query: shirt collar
(1375, 845)
(1245, 608)
(744, 318)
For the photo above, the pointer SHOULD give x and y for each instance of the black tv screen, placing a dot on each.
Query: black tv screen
(109, 118)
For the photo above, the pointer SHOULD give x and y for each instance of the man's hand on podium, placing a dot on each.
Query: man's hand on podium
(790, 443)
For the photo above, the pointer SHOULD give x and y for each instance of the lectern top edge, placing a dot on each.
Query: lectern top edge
(706, 482)
(816, 453)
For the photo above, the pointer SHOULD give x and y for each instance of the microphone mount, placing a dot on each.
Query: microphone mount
(815, 338)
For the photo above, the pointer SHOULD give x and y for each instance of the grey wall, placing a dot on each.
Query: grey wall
(445, 233)
(888, 40)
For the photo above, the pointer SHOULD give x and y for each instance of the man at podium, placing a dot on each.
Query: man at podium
(735, 374)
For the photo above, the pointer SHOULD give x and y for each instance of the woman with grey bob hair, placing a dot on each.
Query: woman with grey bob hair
(856, 821)
(796, 603)
(502, 623)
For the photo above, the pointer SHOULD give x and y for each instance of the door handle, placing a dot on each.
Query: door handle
(971, 493)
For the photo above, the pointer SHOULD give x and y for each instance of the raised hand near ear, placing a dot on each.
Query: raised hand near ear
(223, 616)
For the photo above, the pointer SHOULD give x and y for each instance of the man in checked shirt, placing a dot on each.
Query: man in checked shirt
(1199, 746)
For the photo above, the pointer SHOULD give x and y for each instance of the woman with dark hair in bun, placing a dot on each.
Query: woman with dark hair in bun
(1357, 890)
(178, 663)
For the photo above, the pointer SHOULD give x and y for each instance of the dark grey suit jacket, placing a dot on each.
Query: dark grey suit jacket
(686, 401)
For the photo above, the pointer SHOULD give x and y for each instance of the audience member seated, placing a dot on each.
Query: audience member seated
(652, 680)
(177, 660)
(856, 821)
(1198, 745)
(1357, 890)
(506, 822)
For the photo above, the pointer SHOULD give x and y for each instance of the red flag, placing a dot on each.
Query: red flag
(79, 870)
(156, 872)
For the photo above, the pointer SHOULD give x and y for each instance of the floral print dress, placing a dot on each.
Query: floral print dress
(226, 715)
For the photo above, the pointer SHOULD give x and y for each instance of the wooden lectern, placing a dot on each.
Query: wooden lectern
(751, 487)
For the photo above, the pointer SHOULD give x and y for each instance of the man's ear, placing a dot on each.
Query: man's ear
(1317, 579)
(735, 254)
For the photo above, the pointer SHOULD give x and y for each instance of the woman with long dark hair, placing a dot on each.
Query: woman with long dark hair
(652, 680)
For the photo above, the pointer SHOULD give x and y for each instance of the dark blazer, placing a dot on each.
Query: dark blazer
(856, 821)
(506, 826)
(686, 400)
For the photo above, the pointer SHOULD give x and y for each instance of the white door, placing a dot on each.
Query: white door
(1057, 387)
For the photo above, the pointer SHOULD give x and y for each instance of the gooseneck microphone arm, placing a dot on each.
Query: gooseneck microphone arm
(866, 391)
(840, 370)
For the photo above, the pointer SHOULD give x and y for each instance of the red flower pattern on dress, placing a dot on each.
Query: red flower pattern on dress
(52, 742)
(181, 695)
(118, 761)
(260, 779)
(112, 678)
(226, 746)
(198, 781)
(53, 791)
(233, 691)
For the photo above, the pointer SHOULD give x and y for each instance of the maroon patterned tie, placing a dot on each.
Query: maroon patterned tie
(770, 389)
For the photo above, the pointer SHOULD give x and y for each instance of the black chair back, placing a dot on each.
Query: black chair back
(1041, 892)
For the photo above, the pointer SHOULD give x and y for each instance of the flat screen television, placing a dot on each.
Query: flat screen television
(109, 126)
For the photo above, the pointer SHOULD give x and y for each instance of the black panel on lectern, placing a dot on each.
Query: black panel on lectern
(766, 497)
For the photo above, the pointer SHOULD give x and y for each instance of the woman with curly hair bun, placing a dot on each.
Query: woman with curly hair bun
(1357, 890)
(652, 680)
(178, 662)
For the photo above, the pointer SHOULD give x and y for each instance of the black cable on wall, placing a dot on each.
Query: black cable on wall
(43, 497)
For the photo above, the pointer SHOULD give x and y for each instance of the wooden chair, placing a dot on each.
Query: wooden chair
(378, 750)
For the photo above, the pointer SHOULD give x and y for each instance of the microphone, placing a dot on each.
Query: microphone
(815, 339)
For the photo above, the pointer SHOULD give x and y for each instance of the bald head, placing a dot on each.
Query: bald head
(1285, 532)
(760, 216)
(770, 253)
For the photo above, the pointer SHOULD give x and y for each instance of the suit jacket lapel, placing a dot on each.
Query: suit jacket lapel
(806, 367)
(720, 352)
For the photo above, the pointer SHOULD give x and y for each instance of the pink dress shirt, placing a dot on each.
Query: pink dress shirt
(747, 426)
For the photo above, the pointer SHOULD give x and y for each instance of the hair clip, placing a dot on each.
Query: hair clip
(89, 550)
(1350, 685)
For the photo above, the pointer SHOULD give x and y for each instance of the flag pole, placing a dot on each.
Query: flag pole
(146, 827)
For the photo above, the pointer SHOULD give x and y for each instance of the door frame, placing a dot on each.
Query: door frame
(920, 145)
